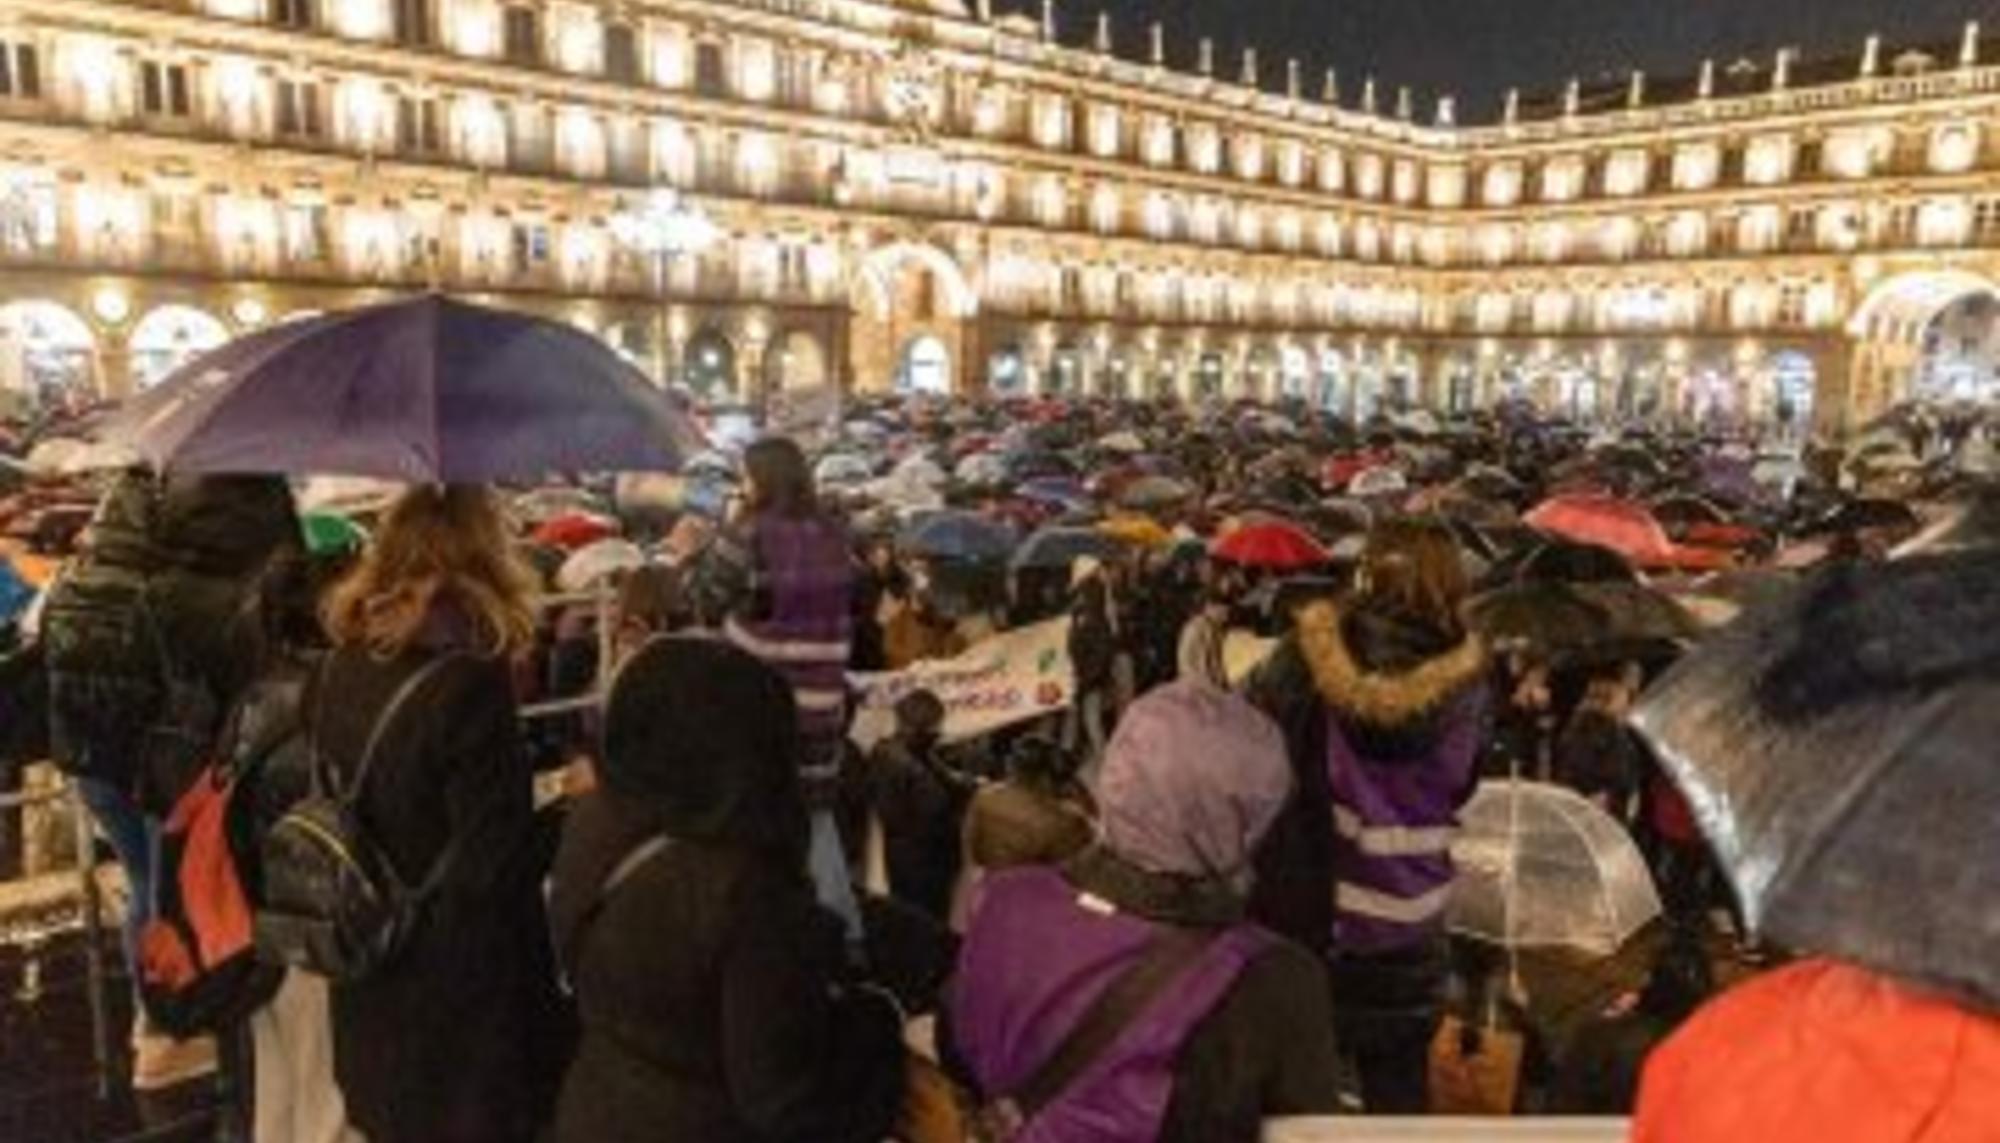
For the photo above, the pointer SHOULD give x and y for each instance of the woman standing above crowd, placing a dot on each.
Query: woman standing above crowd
(1383, 702)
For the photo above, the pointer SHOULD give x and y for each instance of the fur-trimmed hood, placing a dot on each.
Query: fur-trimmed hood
(1390, 681)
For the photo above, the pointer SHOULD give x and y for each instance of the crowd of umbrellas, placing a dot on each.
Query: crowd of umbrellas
(1828, 610)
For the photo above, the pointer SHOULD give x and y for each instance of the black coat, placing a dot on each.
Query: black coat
(444, 1045)
(707, 988)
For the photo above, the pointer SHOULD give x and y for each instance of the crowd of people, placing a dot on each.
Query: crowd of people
(1210, 891)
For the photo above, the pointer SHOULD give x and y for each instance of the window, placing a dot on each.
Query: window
(413, 22)
(163, 89)
(20, 71)
(621, 53)
(27, 213)
(293, 13)
(523, 36)
(305, 232)
(298, 109)
(711, 75)
(794, 275)
(531, 246)
(417, 131)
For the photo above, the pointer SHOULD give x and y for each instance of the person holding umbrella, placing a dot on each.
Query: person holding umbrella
(1383, 701)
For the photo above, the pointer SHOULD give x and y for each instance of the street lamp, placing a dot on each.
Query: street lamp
(664, 227)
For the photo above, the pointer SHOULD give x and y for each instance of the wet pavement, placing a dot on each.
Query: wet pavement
(50, 1087)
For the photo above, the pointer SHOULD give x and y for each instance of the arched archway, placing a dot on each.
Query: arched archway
(925, 367)
(1899, 339)
(902, 291)
(48, 355)
(796, 361)
(171, 336)
(709, 365)
(1961, 353)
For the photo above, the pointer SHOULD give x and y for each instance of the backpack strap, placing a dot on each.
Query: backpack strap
(1165, 958)
(350, 794)
(627, 867)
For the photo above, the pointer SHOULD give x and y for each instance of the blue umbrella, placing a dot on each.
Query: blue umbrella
(958, 536)
(1063, 491)
(429, 390)
(1061, 547)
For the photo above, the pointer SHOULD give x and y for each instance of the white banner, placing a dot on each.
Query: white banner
(1014, 676)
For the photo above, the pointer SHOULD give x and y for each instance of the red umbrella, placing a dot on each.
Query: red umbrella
(1273, 544)
(1627, 528)
(1341, 469)
(576, 530)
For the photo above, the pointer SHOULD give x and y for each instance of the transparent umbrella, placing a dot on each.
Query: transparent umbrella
(1539, 866)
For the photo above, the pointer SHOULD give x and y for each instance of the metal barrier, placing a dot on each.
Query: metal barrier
(91, 910)
(1368, 1129)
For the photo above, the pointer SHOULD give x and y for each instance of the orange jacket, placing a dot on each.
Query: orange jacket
(1821, 1052)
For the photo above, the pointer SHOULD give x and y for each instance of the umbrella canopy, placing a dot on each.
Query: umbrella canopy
(430, 390)
(1539, 866)
(595, 563)
(574, 531)
(1868, 516)
(953, 535)
(1379, 481)
(982, 468)
(1838, 752)
(1973, 522)
(841, 469)
(1139, 531)
(1057, 490)
(1274, 545)
(1622, 526)
(1125, 442)
(1546, 618)
(1149, 492)
(360, 495)
(1059, 547)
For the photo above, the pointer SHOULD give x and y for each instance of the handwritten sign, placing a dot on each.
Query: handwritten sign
(1010, 678)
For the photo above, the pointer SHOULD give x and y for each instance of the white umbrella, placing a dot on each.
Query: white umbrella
(842, 469)
(920, 469)
(346, 495)
(1378, 481)
(983, 468)
(1126, 442)
(1539, 866)
(594, 563)
(58, 456)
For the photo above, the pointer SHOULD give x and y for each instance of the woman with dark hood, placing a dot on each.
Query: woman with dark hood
(707, 979)
(1383, 702)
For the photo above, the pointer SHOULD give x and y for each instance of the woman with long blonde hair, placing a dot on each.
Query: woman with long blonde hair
(441, 1044)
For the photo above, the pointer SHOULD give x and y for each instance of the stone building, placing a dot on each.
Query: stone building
(745, 195)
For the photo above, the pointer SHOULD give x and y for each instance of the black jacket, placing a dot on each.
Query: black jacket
(706, 988)
(444, 1045)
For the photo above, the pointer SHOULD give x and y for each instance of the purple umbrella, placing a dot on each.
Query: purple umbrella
(429, 390)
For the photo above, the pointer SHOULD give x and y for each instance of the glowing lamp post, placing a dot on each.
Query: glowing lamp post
(665, 227)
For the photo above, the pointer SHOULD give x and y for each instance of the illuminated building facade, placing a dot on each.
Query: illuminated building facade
(746, 195)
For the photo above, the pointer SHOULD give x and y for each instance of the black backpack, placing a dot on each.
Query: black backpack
(333, 903)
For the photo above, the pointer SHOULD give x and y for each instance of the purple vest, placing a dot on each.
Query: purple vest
(1034, 962)
(806, 633)
(1393, 827)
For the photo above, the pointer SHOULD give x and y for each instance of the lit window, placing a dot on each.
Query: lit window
(1697, 166)
(417, 131)
(1954, 148)
(1769, 160)
(1503, 184)
(20, 71)
(163, 90)
(298, 109)
(293, 13)
(1625, 173)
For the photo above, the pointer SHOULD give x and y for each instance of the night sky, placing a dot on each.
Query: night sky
(1479, 48)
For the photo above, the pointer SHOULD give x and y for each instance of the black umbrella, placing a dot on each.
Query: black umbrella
(1546, 618)
(1637, 613)
(1867, 516)
(1563, 561)
(1973, 522)
(1839, 753)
